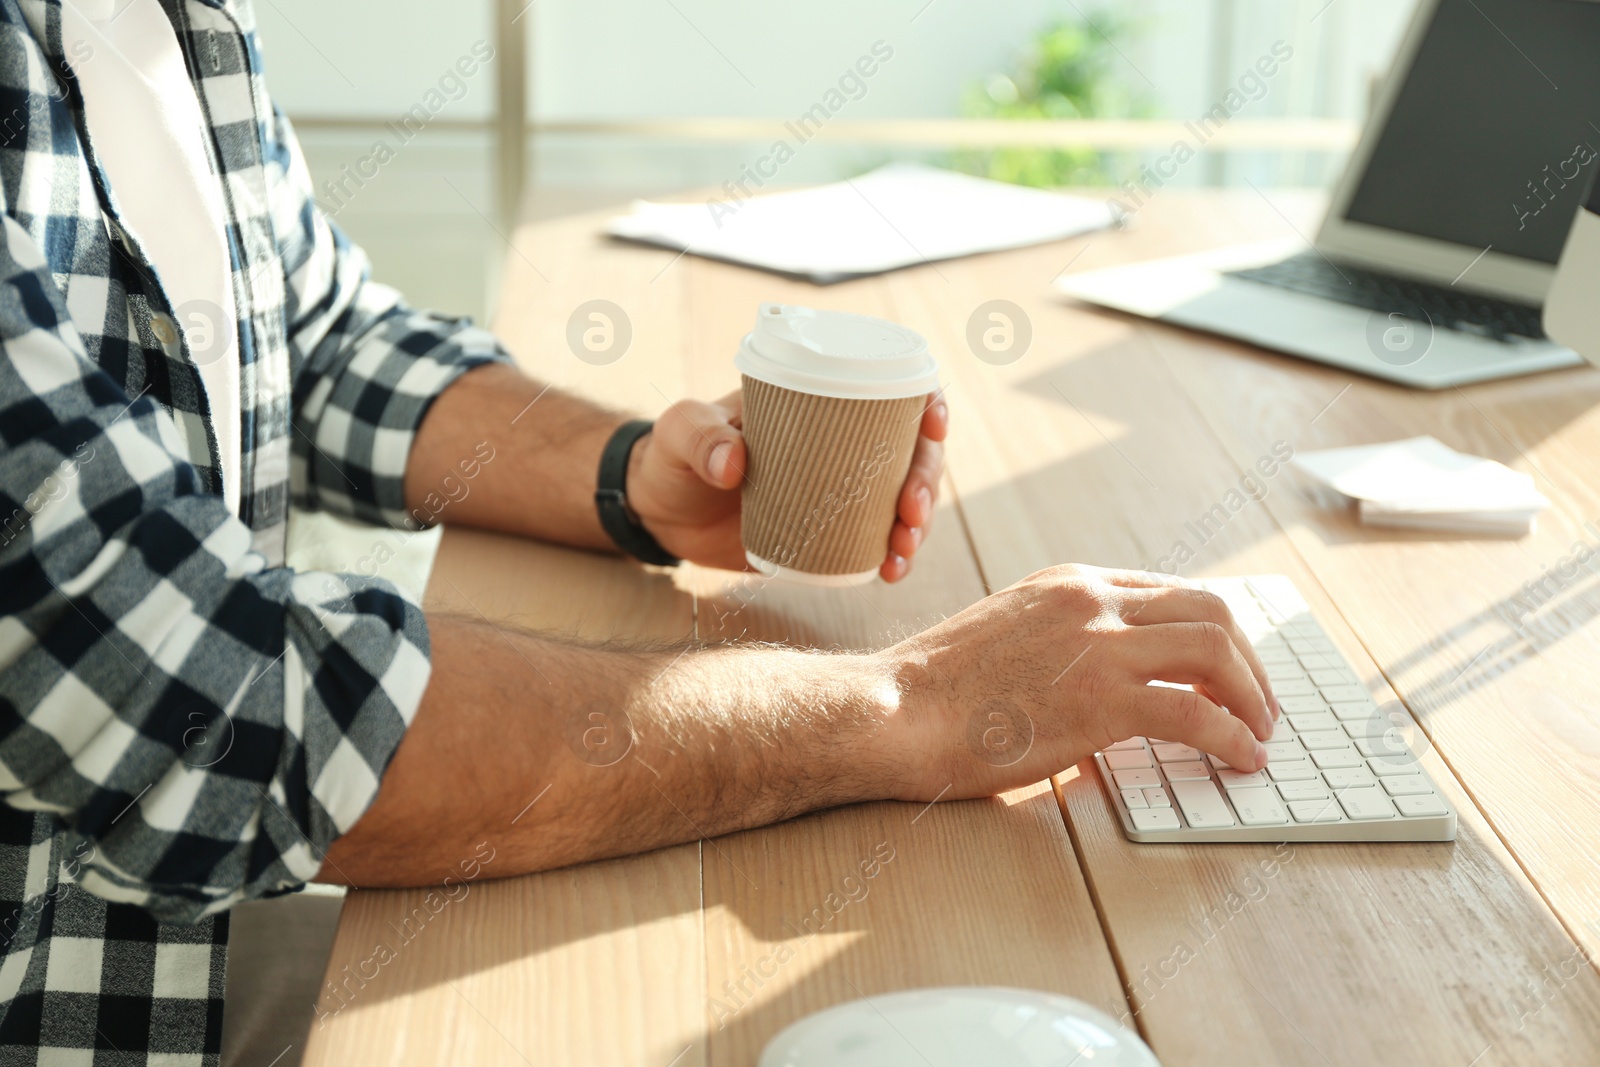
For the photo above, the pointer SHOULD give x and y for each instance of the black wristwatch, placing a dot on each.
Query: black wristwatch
(611, 498)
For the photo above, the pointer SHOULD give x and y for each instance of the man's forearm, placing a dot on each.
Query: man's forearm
(558, 753)
(542, 447)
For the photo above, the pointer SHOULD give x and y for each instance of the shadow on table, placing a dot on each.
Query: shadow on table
(853, 901)
(1185, 923)
(1143, 475)
(1502, 637)
(789, 933)
(1166, 518)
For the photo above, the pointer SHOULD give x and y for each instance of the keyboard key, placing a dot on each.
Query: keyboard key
(1294, 771)
(1157, 797)
(1342, 694)
(1302, 688)
(1275, 654)
(1350, 710)
(1350, 779)
(1284, 750)
(1389, 747)
(1325, 740)
(1201, 804)
(1284, 672)
(1174, 753)
(1334, 676)
(1334, 759)
(1184, 772)
(1154, 819)
(1367, 803)
(1304, 646)
(1282, 731)
(1325, 810)
(1300, 705)
(1420, 805)
(1132, 742)
(1136, 779)
(1387, 766)
(1134, 798)
(1219, 763)
(1303, 790)
(1319, 720)
(1258, 807)
(1278, 590)
(1318, 662)
(1128, 758)
(1372, 727)
(1406, 785)
(1235, 779)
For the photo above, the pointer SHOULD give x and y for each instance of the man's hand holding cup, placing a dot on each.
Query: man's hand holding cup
(823, 467)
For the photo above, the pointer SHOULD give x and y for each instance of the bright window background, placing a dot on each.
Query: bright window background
(426, 217)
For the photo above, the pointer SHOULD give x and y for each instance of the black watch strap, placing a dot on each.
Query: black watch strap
(611, 498)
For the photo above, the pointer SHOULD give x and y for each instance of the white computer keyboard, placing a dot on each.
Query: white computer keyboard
(1339, 768)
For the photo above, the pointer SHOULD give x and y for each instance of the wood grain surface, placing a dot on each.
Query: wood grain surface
(1102, 443)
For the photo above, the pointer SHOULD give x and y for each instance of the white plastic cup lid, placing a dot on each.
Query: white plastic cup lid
(835, 353)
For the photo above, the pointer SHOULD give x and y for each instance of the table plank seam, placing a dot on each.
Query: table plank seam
(966, 533)
(1100, 914)
(705, 942)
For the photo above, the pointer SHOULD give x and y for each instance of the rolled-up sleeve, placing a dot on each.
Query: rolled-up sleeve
(208, 724)
(366, 366)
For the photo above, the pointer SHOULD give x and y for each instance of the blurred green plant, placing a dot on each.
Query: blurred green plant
(1069, 71)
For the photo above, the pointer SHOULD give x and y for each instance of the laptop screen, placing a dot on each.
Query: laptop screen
(1496, 130)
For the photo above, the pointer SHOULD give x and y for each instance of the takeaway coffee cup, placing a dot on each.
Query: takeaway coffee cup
(832, 407)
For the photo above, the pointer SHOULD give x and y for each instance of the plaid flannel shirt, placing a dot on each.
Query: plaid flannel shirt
(184, 722)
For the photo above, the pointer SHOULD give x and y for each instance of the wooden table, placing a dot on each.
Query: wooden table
(1098, 445)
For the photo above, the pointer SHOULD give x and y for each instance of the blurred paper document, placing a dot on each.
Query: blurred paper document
(1423, 483)
(894, 217)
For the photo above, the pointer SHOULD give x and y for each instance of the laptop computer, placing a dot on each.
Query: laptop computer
(1442, 235)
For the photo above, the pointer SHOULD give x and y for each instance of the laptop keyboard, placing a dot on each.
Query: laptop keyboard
(1451, 308)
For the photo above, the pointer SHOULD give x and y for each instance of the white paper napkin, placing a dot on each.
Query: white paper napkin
(1422, 482)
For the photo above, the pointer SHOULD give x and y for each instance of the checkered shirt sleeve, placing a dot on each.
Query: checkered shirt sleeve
(204, 724)
(366, 365)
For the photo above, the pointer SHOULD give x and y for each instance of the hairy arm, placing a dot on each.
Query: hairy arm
(558, 753)
(616, 751)
(546, 448)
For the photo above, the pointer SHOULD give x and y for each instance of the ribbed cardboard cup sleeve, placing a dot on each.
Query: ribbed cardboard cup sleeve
(823, 476)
